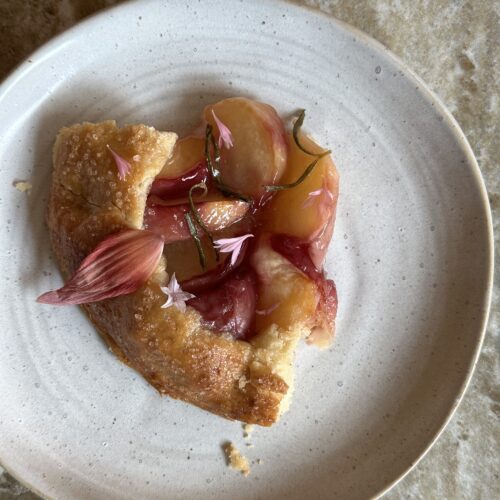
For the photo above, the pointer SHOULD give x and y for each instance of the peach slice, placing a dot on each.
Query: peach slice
(286, 296)
(169, 221)
(299, 254)
(259, 152)
(306, 211)
(188, 152)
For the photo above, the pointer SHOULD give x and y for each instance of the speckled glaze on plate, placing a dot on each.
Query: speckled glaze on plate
(412, 258)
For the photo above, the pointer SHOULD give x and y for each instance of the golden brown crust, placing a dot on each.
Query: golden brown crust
(234, 379)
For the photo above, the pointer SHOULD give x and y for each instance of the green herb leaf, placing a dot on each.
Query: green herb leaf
(296, 128)
(196, 238)
(307, 171)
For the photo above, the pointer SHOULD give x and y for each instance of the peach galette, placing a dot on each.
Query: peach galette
(200, 259)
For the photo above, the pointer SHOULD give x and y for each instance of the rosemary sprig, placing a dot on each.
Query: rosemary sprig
(295, 132)
(296, 129)
(209, 139)
(197, 217)
(196, 238)
(307, 171)
(215, 169)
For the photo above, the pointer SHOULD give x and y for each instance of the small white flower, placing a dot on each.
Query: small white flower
(175, 295)
(225, 136)
(231, 245)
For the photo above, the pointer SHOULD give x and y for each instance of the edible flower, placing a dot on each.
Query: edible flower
(122, 165)
(232, 246)
(175, 295)
(119, 265)
(225, 136)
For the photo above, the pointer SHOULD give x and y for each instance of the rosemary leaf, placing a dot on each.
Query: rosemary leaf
(307, 171)
(196, 238)
(296, 129)
(208, 140)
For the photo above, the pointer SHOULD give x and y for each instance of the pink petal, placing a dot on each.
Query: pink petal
(119, 265)
(232, 245)
(122, 165)
(225, 136)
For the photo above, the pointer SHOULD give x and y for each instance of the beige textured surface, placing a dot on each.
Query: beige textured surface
(453, 45)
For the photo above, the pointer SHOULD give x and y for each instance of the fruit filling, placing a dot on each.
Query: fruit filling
(258, 206)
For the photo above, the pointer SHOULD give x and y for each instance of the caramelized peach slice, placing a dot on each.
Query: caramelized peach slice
(169, 221)
(299, 254)
(188, 152)
(286, 297)
(259, 152)
(306, 211)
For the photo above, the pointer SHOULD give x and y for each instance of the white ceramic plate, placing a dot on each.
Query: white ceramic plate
(412, 258)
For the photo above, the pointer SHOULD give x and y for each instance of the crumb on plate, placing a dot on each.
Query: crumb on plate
(23, 186)
(247, 430)
(236, 460)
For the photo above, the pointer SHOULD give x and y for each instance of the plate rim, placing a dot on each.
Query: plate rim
(43, 52)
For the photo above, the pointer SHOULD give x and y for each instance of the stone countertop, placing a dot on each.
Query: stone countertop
(454, 46)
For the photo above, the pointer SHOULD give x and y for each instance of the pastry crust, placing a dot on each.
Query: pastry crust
(241, 380)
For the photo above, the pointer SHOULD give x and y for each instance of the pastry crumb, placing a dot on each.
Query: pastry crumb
(249, 445)
(247, 430)
(236, 460)
(23, 186)
(259, 461)
(242, 382)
